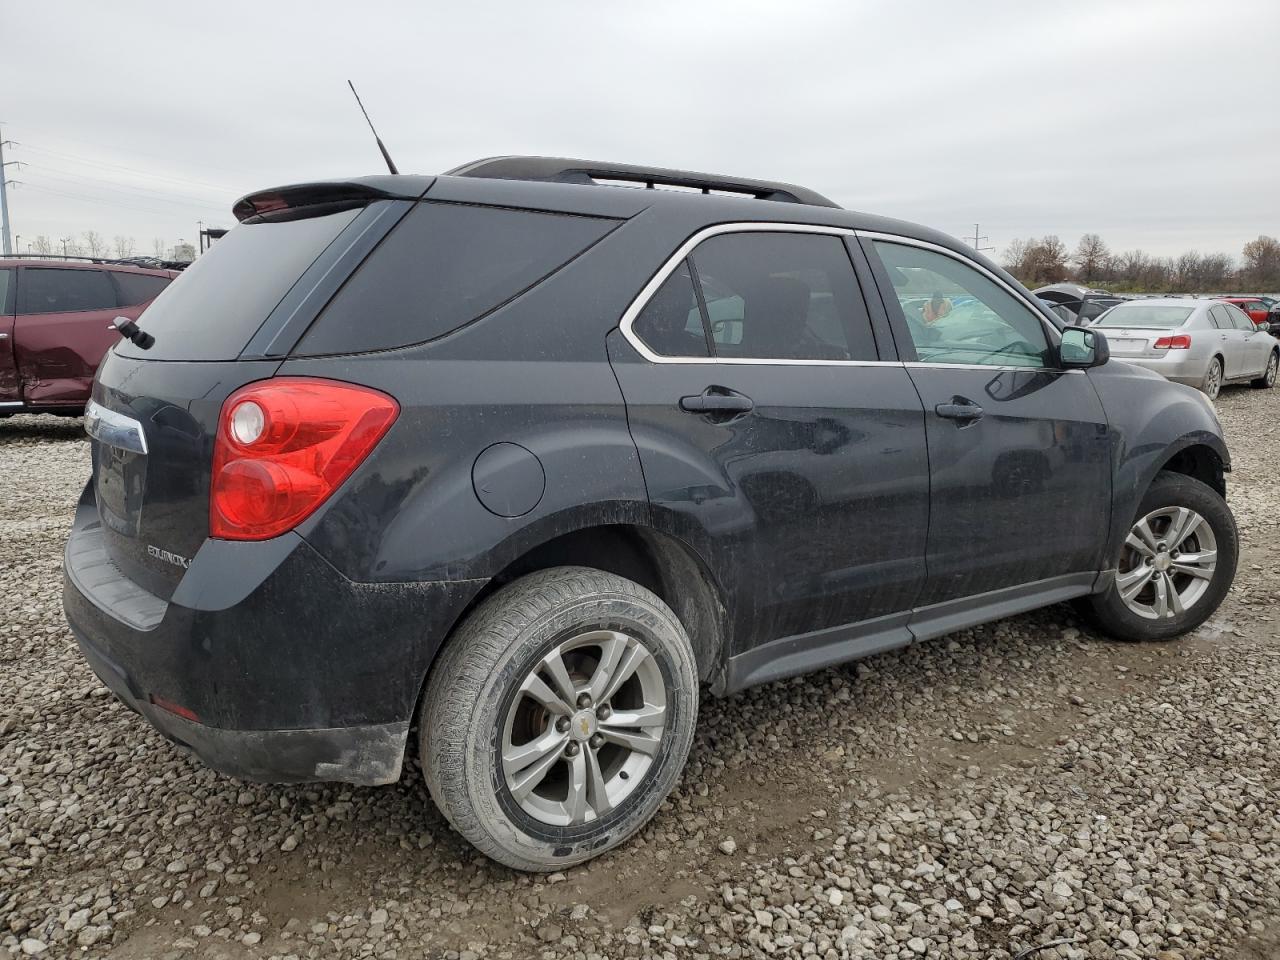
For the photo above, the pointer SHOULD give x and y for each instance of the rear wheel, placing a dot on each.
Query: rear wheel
(1212, 385)
(559, 717)
(1268, 378)
(1176, 565)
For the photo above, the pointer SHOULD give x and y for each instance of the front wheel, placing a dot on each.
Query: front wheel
(1175, 567)
(1212, 385)
(1268, 378)
(559, 717)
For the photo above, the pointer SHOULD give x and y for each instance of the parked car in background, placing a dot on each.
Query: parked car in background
(56, 325)
(1256, 308)
(1202, 343)
(1077, 305)
(520, 460)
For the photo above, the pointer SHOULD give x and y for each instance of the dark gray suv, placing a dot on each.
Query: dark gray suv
(524, 456)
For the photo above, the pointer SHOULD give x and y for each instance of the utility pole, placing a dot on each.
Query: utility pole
(6, 244)
(977, 240)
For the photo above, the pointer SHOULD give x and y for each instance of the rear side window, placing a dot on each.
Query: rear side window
(671, 323)
(138, 288)
(220, 301)
(443, 266)
(6, 291)
(52, 290)
(1221, 318)
(783, 296)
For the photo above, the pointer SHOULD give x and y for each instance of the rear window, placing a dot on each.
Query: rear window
(52, 290)
(443, 266)
(1142, 315)
(212, 310)
(138, 288)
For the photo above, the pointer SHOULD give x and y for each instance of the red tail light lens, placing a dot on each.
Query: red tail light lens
(1179, 342)
(284, 446)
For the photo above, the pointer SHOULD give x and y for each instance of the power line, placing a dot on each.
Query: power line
(154, 196)
(75, 158)
(111, 203)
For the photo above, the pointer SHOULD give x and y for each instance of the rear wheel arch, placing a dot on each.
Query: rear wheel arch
(655, 560)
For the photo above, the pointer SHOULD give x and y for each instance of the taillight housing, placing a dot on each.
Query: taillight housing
(1180, 341)
(283, 446)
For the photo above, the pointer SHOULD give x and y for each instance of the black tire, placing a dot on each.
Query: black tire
(1109, 612)
(1268, 378)
(1211, 386)
(477, 679)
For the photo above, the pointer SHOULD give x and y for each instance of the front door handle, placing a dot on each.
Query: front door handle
(717, 401)
(961, 409)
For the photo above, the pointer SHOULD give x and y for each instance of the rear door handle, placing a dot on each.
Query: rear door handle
(965, 411)
(717, 401)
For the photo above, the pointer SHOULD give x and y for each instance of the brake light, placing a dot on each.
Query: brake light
(1179, 342)
(283, 446)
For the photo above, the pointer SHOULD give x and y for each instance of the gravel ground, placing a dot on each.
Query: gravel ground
(1025, 786)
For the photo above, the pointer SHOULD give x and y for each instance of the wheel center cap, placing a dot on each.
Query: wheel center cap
(1163, 562)
(583, 725)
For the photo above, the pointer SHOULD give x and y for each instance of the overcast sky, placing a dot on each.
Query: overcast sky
(1155, 124)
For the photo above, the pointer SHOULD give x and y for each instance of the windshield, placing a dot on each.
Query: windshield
(1151, 316)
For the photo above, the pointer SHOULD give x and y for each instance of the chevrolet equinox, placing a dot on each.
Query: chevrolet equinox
(521, 458)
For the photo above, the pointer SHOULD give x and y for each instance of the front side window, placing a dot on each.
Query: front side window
(956, 314)
(55, 290)
(782, 296)
(1240, 319)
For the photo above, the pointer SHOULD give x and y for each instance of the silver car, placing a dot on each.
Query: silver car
(1197, 342)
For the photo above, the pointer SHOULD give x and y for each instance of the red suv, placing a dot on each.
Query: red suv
(56, 326)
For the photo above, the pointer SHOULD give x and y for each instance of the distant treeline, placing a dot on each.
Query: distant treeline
(1047, 260)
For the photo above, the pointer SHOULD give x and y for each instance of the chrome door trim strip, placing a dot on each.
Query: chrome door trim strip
(114, 429)
(6, 404)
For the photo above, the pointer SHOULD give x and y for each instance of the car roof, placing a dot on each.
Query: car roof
(538, 187)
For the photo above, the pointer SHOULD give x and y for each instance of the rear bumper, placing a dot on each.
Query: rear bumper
(283, 669)
(1179, 369)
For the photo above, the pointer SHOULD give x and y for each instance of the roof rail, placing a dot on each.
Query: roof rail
(563, 170)
(151, 263)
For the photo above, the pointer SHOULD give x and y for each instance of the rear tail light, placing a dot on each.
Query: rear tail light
(1179, 342)
(284, 446)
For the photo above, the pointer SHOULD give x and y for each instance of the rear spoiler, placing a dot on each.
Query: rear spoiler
(314, 199)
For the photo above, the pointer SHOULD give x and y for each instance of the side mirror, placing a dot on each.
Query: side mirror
(1264, 326)
(1083, 348)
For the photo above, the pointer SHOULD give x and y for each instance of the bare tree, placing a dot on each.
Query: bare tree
(158, 247)
(96, 243)
(1261, 267)
(1015, 256)
(1091, 257)
(42, 244)
(124, 246)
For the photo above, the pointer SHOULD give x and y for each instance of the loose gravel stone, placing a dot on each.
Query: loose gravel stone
(1022, 785)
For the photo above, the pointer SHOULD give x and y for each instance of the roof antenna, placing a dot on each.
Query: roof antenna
(385, 156)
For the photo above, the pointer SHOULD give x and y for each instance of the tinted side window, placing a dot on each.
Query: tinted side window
(1221, 318)
(671, 322)
(6, 291)
(443, 266)
(53, 290)
(783, 296)
(956, 314)
(138, 288)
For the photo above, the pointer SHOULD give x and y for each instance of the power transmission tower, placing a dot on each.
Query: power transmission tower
(977, 240)
(6, 243)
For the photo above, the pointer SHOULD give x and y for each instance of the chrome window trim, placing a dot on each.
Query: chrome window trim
(747, 226)
(114, 429)
(1051, 332)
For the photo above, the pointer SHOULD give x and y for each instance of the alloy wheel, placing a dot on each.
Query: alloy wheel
(1168, 563)
(1213, 381)
(584, 728)
(1272, 364)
